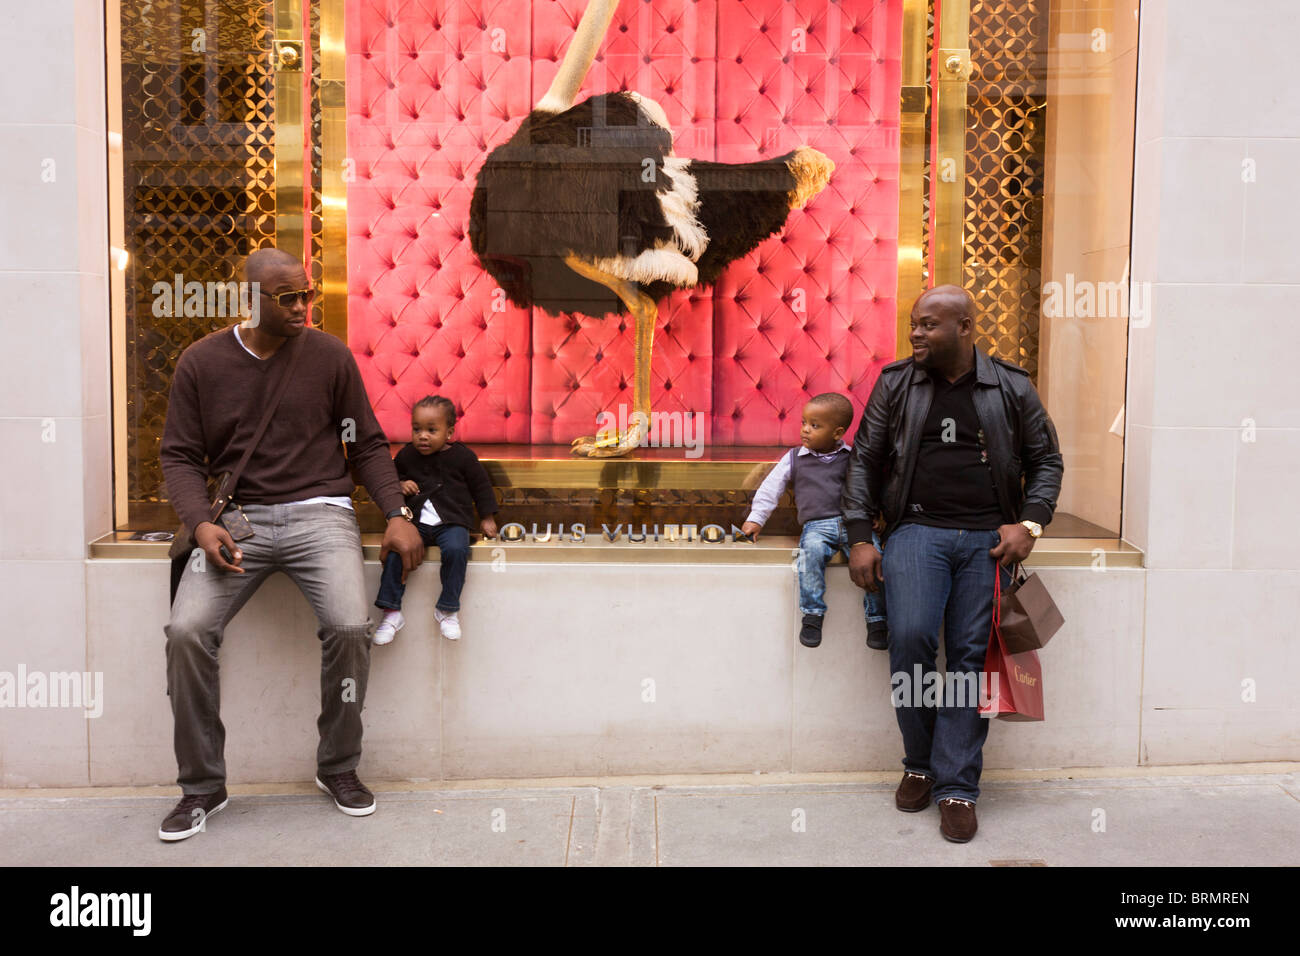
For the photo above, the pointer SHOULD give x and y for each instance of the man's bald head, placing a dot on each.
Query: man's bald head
(264, 264)
(952, 299)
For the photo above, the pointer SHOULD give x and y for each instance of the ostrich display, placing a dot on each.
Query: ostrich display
(586, 209)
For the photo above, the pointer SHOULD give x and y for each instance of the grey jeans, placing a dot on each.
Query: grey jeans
(319, 546)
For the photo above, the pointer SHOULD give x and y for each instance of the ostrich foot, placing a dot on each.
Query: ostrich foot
(611, 444)
(812, 171)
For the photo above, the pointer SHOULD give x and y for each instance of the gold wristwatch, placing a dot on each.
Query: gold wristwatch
(1033, 527)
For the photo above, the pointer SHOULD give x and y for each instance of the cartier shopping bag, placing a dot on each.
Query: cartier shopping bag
(1013, 683)
(1029, 616)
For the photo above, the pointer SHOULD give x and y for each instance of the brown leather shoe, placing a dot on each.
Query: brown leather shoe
(913, 792)
(957, 820)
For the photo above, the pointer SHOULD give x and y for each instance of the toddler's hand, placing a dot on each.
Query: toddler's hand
(752, 529)
(489, 528)
(410, 488)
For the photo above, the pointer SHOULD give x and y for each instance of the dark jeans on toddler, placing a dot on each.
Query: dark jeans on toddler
(453, 541)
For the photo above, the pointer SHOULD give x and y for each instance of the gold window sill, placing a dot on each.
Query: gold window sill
(1102, 553)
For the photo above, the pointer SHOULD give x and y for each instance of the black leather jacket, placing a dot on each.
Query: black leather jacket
(1024, 453)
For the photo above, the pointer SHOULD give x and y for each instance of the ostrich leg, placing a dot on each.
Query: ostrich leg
(644, 313)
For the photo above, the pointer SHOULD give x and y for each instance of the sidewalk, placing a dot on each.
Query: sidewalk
(1242, 815)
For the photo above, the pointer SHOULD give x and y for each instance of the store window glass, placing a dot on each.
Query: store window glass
(984, 143)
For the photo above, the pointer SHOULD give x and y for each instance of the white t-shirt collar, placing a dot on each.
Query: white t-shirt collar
(245, 347)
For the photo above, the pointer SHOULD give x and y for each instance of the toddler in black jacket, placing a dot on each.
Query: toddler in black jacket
(444, 483)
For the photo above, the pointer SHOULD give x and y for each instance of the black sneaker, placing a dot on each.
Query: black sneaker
(810, 635)
(349, 793)
(191, 814)
(878, 635)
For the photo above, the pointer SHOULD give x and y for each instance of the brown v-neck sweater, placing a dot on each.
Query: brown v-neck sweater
(217, 397)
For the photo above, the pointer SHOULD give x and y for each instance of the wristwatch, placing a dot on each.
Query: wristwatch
(402, 512)
(1033, 527)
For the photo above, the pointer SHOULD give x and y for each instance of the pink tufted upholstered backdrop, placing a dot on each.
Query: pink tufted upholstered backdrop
(433, 85)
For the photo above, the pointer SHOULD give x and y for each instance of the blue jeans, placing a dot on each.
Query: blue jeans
(820, 539)
(939, 576)
(453, 542)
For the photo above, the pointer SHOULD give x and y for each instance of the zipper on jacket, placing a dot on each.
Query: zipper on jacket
(918, 428)
(988, 463)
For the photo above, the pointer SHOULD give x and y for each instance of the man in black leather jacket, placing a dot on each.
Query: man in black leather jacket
(958, 456)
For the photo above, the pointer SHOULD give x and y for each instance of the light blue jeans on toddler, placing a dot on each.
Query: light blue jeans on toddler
(820, 539)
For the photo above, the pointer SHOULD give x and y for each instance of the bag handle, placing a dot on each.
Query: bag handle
(997, 595)
(1018, 577)
(227, 490)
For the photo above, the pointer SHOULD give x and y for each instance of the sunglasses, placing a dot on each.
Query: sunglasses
(286, 300)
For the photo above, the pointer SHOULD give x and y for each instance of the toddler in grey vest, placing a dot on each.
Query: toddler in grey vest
(816, 469)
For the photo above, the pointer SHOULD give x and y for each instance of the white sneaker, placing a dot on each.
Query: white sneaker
(449, 624)
(388, 627)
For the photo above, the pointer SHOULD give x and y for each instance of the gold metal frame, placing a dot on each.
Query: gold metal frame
(911, 167)
(289, 132)
(334, 148)
(116, 275)
(951, 69)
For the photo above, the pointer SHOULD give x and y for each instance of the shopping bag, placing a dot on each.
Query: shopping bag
(1029, 616)
(1012, 686)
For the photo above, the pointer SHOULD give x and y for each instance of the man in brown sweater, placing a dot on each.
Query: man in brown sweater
(296, 493)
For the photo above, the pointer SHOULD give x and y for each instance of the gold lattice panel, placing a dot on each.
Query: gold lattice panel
(1006, 105)
(198, 187)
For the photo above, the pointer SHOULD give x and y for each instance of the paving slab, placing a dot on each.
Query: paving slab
(1218, 819)
(408, 829)
(1098, 823)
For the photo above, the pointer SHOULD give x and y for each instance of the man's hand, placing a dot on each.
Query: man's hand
(488, 527)
(751, 528)
(1015, 545)
(212, 538)
(410, 488)
(865, 566)
(401, 536)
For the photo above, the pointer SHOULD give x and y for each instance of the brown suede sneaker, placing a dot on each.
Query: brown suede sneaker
(957, 820)
(913, 792)
(349, 793)
(190, 815)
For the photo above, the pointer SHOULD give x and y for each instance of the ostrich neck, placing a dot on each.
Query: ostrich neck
(577, 59)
